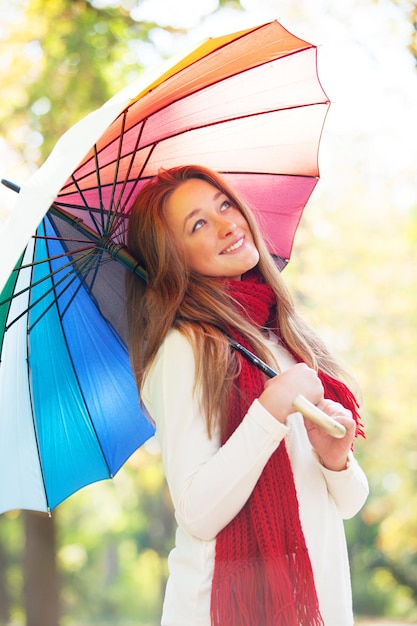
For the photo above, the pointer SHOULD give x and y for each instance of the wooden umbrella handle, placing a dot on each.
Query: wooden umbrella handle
(316, 415)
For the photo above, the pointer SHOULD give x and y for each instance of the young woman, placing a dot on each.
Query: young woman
(259, 492)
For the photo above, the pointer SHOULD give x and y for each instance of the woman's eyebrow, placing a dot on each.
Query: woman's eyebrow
(195, 212)
(190, 216)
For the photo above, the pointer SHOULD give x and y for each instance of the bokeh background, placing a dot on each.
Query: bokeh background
(101, 558)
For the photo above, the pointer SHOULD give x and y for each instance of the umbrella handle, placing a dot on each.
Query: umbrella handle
(319, 417)
(304, 406)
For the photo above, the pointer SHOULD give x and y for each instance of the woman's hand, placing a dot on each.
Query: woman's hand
(279, 392)
(332, 452)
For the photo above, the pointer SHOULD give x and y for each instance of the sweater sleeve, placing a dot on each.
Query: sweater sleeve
(209, 483)
(348, 488)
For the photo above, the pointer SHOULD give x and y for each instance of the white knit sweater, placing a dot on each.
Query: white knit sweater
(210, 483)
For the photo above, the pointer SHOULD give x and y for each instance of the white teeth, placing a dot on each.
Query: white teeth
(235, 246)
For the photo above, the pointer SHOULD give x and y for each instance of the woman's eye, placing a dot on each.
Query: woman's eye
(225, 205)
(198, 224)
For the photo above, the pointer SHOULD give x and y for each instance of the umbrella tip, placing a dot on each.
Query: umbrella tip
(10, 185)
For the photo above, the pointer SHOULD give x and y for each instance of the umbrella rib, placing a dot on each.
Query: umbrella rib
(80, 191)
(70, 205)
(94, 258)
(110, 219)
(33, 304)
(116, 251)
(80, 273)
(139, 176)
(99, 189)
(103, 243)
(61, 239)
(94, 276)
(54, 258)
(72, 298)
(118, 214)
(39, 282)
(35, 428)
(73, 273)
(54, 300)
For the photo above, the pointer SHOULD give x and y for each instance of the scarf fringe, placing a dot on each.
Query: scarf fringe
(257, 590)
(339, 392)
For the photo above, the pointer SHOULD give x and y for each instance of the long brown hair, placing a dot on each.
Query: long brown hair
(197, 305)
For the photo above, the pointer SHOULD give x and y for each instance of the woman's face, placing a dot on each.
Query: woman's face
(213, 233)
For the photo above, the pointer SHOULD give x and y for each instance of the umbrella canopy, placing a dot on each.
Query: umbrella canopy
(249, 105)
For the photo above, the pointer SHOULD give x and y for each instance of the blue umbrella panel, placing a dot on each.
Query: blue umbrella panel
(69, 405)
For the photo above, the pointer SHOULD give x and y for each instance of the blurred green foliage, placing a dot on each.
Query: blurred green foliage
(115, 539)
(364, 305)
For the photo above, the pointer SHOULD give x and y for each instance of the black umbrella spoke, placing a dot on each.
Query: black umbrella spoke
(66, 240)
(86, 264)
(91, 213)
(119, 212)
(74, 206)
(112, 206)
(72, 275)
(78, 271)
(56, 257)
(138, 178)
(120, 230)
(102, 257)
(54, 301)
(48, 276)
(81, 284)
(100, 195)
(63, 280)
(88, 270)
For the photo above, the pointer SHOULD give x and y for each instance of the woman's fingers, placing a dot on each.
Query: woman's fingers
(279, 392)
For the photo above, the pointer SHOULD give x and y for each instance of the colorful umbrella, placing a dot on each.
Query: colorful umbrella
(249, 105)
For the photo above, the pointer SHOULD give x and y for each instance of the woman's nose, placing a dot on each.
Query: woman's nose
(225, 227)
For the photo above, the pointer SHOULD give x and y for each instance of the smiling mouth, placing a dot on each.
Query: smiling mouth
(235, 246)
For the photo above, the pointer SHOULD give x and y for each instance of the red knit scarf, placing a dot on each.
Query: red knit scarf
(262, 574)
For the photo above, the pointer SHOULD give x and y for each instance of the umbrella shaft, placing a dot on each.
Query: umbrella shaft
(249, 356)
(300, 403)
